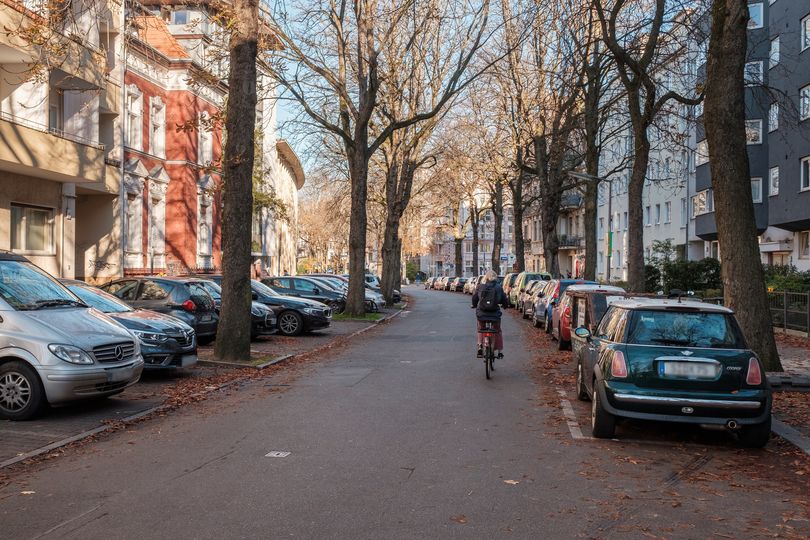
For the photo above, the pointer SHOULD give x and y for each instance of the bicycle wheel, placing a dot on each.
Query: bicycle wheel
(488, 360)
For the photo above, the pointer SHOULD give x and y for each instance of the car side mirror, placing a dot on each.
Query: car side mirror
(583, 333)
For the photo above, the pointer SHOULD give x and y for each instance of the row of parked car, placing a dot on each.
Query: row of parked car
(649, 357)
(68, 340)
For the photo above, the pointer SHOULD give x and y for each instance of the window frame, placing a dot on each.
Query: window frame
(804, 174)
(751, 81)
(773, 117)
(756, 179)
(774, 53)
(804, 102)
(803, 235)
(751, 18)
(804, 34)
(50, 229)
(773, 190)
(759, 131)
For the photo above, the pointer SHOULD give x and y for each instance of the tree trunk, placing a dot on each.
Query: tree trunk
(358, 172)
(233, 334)
(635, 200)
(591, 121)
(517, 205)
(591, 241)
(459, 260)
(391, 256)
(497, 227)
(743, 277)
(475, 220)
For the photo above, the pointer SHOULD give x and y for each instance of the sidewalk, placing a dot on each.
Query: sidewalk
(794, 352)
(791, 401)
(159, 391)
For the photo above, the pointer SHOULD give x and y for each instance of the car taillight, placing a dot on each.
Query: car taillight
(618, 367)
(754, 377)
(567, 311)
(188, 305)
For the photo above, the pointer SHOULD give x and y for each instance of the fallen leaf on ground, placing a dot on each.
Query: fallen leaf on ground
(511, 482)
(459, 519)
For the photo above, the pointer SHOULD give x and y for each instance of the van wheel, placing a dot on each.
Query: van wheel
(21, 393)
(603, 424)
(755, 436)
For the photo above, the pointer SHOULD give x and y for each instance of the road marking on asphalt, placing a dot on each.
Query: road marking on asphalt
(570, 417)
(277, 453)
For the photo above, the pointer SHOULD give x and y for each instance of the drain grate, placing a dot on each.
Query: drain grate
(277, 453)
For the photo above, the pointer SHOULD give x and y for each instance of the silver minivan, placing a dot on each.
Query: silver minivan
(53, 348)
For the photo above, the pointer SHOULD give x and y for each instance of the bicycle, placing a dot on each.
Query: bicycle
(488, 331)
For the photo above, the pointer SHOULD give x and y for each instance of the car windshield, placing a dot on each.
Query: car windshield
(323, 283)
(212, 288)
(263, 289)
(24, 286)
(684, 329)
(96, 298)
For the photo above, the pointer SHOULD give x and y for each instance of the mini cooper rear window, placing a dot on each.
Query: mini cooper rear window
(684, 329)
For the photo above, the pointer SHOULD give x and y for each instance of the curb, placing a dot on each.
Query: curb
(167, 407)
(786, 382)
(792, 435)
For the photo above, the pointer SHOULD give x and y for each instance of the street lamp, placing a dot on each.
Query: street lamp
(585, 177)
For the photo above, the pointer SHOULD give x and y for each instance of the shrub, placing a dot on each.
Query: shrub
(652, 278)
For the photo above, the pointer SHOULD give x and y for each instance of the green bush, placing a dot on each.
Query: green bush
(692, 275)
(652, 278)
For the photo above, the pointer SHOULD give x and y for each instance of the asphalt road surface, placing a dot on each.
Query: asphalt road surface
(400, 436)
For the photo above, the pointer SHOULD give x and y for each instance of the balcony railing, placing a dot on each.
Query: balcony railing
(567, 241)
(46, 129)
(571, 201)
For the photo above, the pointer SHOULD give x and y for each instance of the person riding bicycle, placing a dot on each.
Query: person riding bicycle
(486, 300)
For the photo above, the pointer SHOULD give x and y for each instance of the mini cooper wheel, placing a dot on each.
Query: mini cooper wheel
(582, 392)
(755, 436)
(603, 424)
(290, 323)
(21, 393)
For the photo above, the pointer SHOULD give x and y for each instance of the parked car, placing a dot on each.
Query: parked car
(166, 342)
(448, 284)
(374, 300)
(472, 283)
(546, 300)
(308, 288)
(562, 314)
(508, 283)
(673, 361)
(587, 308)
(429, 282)
(373, 284)
(438, 285)
(525, 298)
(184, 298)
(519, 286)
(56, 349)
(458, 284)
(262, 318)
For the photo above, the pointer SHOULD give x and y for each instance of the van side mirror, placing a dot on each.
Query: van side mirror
(583, 333)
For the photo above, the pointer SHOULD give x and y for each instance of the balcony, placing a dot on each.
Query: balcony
(571, 201)
(570, 242)
(32, 149)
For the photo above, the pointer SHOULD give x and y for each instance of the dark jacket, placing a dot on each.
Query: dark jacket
(500, 299)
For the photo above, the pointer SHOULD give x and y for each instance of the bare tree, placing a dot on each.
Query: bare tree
(331, 66)
(233, 333)
(639, 48)
(743, 277)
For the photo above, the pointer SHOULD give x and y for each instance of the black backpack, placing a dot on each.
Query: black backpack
(488, 300)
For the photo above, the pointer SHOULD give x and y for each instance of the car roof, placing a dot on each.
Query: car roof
(73, 282)
(593, 288)
(10, 256)
(670, 304)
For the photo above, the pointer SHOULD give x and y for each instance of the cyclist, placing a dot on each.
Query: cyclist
(486, 299)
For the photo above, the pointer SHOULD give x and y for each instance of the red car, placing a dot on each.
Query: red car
(561, 313)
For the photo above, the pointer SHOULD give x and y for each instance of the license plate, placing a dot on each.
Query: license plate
(188, 360)
(205, 318)
(688, 370)
(118, 375)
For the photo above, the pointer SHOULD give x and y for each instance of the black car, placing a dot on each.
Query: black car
(263, 319)
(294, 315)
(166, 342)
(183, 298)
(307, 288)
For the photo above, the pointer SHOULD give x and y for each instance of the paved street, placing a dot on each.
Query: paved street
(400, 436)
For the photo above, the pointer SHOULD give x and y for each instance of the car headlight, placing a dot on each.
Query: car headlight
(308, 310)
(70, 354)
(256, 312)
(151, 338)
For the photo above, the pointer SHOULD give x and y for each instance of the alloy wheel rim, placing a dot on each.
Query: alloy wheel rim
(15, 391)
(593, 409)
(288, 323)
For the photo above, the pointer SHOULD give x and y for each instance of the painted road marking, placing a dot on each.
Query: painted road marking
(277, 453)
(570, 417)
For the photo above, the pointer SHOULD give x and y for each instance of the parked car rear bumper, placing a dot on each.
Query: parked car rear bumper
(71, 384)
(626, 400)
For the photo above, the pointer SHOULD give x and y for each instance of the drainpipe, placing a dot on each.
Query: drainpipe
(121, 189)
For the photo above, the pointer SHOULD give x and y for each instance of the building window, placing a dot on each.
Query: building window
(804, 103)
(702, 52)
(601, 225)
(753, 73)
(702, 154)
(56, 109)
(773, 117)
(756, 190)
(773, 189)
(204, 229)
(806, 32)
(756, 18)
(773, 56)
(157, 127)
(667, 212)
(658, 214)
(805, 167)
(205, 141)
(804, 244)
(32, 229)
(684, 212)
(699, 110)
(753, 131)
(702, 203)
(134, 104)
(647, 216)
(715, 250)
(625, 221)
(134, 217)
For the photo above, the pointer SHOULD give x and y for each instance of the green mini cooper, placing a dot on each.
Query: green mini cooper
(672, 361)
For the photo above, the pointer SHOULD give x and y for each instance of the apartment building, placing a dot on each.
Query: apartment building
(570, 237)
(59, 113)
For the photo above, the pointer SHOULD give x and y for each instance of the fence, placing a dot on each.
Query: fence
(789, 310)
